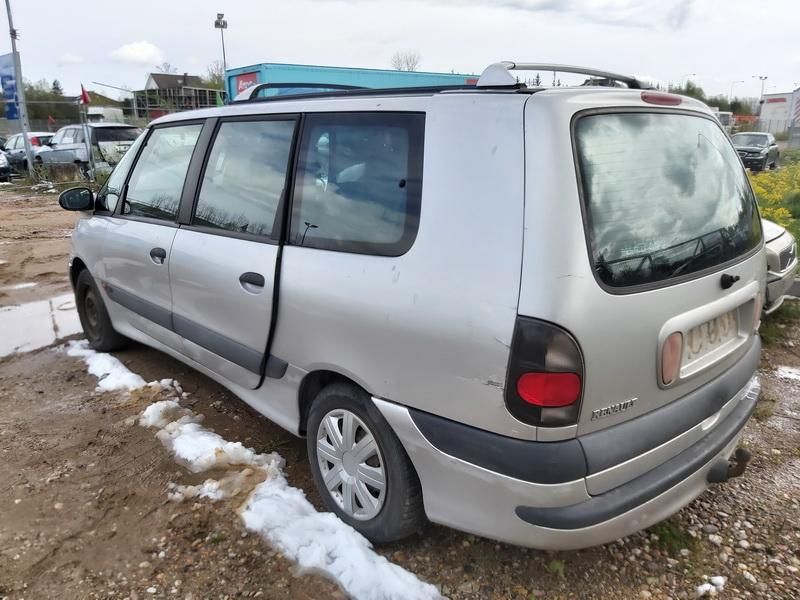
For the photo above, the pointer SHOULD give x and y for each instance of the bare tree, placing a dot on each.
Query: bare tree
(405, 61)
(215, 75)
(166, 67)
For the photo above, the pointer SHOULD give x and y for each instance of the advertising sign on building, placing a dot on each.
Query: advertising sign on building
(245, 80)
(9, 83)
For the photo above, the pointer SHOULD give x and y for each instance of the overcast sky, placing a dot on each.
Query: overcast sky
(119, 42)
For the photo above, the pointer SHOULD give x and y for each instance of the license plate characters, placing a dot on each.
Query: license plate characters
(710, 336)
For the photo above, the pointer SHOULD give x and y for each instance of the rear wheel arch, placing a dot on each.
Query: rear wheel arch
(311, 385)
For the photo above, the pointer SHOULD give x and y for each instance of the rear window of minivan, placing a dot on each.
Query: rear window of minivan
(665, 197)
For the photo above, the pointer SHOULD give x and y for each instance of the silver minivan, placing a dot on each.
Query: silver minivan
(530, 314)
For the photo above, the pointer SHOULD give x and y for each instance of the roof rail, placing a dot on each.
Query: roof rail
(251, 93)
(498, 74)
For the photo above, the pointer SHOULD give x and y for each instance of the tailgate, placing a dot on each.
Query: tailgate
(660, 237)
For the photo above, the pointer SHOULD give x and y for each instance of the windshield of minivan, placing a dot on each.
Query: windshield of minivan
(665, 197)
(116, 134)
(749, 139)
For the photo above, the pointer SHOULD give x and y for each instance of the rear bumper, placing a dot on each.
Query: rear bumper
(479, 491)
(778, 285)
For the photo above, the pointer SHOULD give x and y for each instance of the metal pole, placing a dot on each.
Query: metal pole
(20, 85)
(224, 60)
(791, 119)
(87, 141)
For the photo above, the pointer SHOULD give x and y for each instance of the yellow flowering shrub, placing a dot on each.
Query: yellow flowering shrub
(778, 193)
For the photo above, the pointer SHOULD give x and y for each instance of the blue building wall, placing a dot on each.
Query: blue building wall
(238, 79)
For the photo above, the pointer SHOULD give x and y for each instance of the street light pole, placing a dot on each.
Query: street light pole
(763, 78)
(733, 83)
(222, 25)
(20, 86)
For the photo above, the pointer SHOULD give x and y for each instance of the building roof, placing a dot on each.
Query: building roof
(172, 80)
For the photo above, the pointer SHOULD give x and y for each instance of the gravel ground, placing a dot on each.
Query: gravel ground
(83, 499)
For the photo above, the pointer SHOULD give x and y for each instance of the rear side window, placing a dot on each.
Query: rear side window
(665, 197)
(359, 182)
(245, 176)
(156, 183)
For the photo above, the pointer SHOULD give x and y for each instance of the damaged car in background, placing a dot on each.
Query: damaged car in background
(108, 141)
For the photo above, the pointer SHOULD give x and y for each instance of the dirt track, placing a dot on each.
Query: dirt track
(34, 245)
(84, 510)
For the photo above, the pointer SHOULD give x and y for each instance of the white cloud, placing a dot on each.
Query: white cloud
(69, 59)
(138, 53)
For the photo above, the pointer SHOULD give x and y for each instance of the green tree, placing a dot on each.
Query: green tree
(215, 75)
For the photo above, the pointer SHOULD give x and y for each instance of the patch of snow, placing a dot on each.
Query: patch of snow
(711, 588)
(112, 375)
(280, 513)
(200, 449)
(788, 373)
(230, 485)
(321, 541)
(18, 286)
(159, 414)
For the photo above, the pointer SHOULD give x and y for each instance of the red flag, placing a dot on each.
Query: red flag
(50, 120)
(84, 96)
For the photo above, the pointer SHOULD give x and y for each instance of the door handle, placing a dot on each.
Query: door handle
(252, 282)
(158, 255)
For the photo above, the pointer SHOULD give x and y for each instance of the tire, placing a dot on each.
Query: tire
(394, 513)
(94, 317)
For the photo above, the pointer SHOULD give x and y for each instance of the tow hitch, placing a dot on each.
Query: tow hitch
(728, 469)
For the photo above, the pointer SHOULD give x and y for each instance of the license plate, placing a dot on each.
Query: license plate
(708, 337)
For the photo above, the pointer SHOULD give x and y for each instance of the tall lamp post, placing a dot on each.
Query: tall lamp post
(222, 25)
(733, 83)
(763, 78)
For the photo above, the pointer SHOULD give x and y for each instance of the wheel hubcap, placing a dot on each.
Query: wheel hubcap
(351, 464)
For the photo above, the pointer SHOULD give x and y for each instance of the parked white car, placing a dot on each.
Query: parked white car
(781, 264)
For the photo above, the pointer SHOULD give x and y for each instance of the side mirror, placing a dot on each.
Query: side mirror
(77, 198)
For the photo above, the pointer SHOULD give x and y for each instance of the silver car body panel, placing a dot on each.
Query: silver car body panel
(782, 263)
(225, 321)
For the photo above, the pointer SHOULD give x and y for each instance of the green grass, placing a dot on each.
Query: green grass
(776, 327)
(672, 538)
(556, 567)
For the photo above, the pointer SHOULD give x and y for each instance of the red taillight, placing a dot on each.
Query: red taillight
(671, 357)
(549, 389)
(661, 98)
(34, 141)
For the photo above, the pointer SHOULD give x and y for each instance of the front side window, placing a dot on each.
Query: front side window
(359, 182)
(59, 136)
(109, 194)
(69, 136)
(245, 176)
(155, 186)
(665, 196)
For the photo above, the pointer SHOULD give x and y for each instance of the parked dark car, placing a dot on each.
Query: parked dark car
(758, 151)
